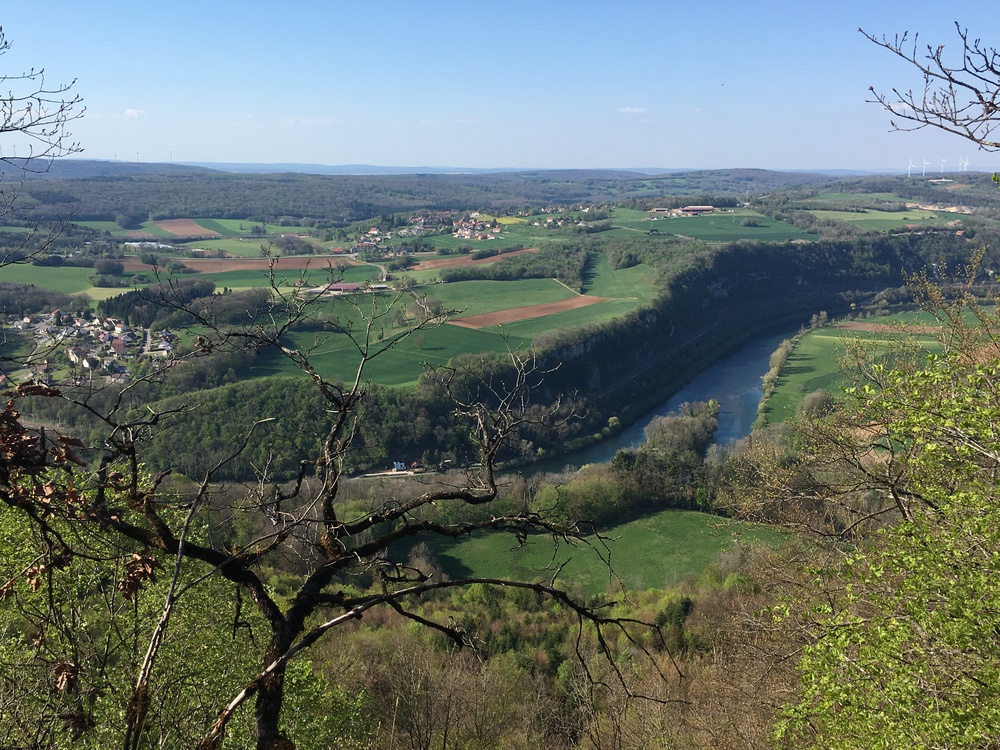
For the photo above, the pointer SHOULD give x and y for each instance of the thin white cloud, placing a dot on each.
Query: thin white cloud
(457, 121)
(311, 122)
(633, 110)
(133, 114)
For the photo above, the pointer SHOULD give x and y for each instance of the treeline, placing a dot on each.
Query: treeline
(717, 298)
(28, 299)
(344, 198)
(166, 305)
(492, 252)
(564, 262)
(214, 403)
(43, 237)
(665, 254)
(632, 362)
(144, 307)
(669, 470)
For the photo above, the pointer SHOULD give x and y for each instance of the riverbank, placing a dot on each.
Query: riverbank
(734, 381)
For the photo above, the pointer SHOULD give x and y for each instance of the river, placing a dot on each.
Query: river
(734, 381)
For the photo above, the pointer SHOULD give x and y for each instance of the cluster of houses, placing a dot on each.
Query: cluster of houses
(370, 241)
(685, 211)
(93, 345)
(552, 222)
(473, 228)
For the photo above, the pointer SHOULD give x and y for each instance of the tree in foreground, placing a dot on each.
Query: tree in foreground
(960, 92)
(103, 529)
(901, 646)
(34, 116)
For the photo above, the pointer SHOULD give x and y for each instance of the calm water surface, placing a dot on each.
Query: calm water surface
(735, 382)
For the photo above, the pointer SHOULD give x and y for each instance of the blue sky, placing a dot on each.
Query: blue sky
(543, 84)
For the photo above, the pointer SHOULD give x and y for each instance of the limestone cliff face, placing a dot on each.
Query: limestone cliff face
(725, 298)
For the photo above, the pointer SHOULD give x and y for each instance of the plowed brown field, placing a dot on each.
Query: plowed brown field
(525, 313)
(466, 260)
(185, 228)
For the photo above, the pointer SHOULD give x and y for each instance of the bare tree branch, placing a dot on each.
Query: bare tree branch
(960, 94)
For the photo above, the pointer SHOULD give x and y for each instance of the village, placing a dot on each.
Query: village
(75, 349)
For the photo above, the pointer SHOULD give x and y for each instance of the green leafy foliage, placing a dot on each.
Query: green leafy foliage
(907, 651)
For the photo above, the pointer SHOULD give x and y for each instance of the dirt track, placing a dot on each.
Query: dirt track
(525, 313)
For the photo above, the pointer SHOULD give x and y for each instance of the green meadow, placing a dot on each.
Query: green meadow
(885, 220)
(334, 356)
(242, 227)
(656, 551)
(592, 315)
(238, 247)
(314, 277)
(228, 228)
(477, 297)
(728, 226)
(66, 279)
(635, 283)
(818, 359)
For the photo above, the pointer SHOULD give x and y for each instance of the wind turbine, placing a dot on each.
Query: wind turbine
(942, 165)
(964, 165)
(924, 172)
(909, 169)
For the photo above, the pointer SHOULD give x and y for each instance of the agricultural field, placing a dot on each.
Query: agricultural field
(872, 219)
(635, 283)
(856, 199)
(602, 312)
(241, 247)
(725, 225)
(478, 297)
(316, 275)
(662, 549)
(66, 279)
(336, 357)
(818, 359)
(161, 230)
(519, 311)
(236, 247)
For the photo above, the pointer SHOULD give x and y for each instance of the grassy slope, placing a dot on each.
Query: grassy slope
(63, 279)
(875, 220)
(635, 283)
(316, 276)
(656, 551)
(476, 297)
(816, 362)
(724, 226)
(403, 365)
(335, 357)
